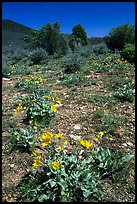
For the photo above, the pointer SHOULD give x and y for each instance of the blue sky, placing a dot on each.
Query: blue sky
(97, 18)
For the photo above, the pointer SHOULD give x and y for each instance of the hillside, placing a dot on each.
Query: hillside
(12, 36)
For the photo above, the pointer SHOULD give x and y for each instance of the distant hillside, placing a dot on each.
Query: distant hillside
(12, 36)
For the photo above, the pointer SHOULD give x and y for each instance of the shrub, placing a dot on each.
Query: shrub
(128, 53)
(105, 122)
(6, 71)
(22, 139)
(125, 93)
(41, 106)
(84, 51)
(63, 177)
(38, 55)
(119, 36)
(19, 55)
(29, 84)
(100, 49)
(72, 62)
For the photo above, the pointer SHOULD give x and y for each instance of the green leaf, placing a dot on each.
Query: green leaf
(43, 197)
(127, 158)
(86, 193)
(52, 183)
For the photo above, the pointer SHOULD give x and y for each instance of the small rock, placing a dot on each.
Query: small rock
(124, 145)
(77, 127)
(129, 143)
(6, 79)
(74, 137)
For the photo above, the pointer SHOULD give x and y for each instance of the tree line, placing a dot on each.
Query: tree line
(53, 41)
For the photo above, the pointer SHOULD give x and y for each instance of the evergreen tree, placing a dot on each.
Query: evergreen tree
(80, 35)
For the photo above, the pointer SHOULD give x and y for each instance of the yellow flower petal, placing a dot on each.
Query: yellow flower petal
(16, 133)
(36, 162)
(47, 97)
(110, 138)
(101, 133)
(85, 143)
(59, 135)
(17, 111)
(66, 142)
(33, 100)
(59, 102)
(19, 124)
(95, 139)
(35, 127)
(53, 108)
(33, 153)
(56, 165)
(61, 148)
(46, 138)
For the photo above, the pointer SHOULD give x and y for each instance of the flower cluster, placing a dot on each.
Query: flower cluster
(18, 108)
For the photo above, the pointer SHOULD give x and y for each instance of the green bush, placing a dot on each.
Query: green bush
(19, 55)
(6, 65)
(75, 178)
(128, 53)
(84, 51)
(40, 106)
(119, 36)
(72, 62)
(125, 93)
(100, 49)
(6, 71)
(38, 55)
(22, 139)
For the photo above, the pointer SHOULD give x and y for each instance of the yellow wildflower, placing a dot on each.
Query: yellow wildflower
(36, 162)
(53, 108)
(33, 153)
(110, 138)
(30, 121)
(40, 80)
(35, 127)
(24, 77)
(56, 165)
(96, 139)
(36, 82)
(46, 138)
(19, 124)
(33, 100)
(59, 102)
(59, 135)
(57, 98)
(85, 143)
(17, 111)
(16, 133)
(61, 148)
(36, 124)
(66, 142)
(20, 106)
(101, 133)
(47, 97)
